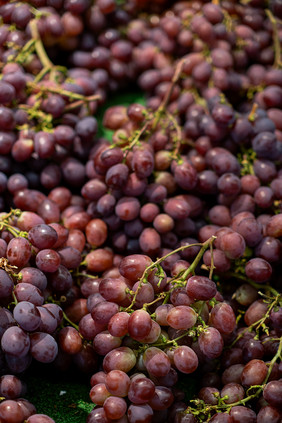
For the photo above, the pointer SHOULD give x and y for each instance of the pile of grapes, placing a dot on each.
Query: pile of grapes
(155, 255)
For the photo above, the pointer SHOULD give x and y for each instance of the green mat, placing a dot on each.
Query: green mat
(65, 402)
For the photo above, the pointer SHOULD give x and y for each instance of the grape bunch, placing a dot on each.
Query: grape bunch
(148, 259)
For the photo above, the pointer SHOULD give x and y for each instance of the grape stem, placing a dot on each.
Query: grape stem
(164, 103)
(191, 268)
(46, 62)
(254, 284)
(58, 90)
(192, 332)
(70, 322)
(276, 40)
(154, 119)
(222, 407)
(136, 137)
(259, 323)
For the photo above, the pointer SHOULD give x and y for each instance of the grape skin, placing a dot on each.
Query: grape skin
(207, 164)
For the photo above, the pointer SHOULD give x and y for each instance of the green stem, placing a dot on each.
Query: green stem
(212, 267)
(70, 322)
(162, 108)
(136, 137)
(14, 298)
(40, 50)
(206, 409)
(58, 90)
(277, 356)
(161, 295)
(191, 268)
(259, 322)
(254, 284)
(276, 39)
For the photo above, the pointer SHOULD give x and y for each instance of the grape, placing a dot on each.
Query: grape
(6, 284)
(43, 347)
(15, 342)
(70, 257)
(272, 393)
(18, 364)
(11, 412)
(40, 418)
(133, 266)
(117, 382)
(252, 349)
(223, 318)
(96, 378)
(185, 359)
(233, 245)
(221, 262)
(181, 317)
(99, 260)
(258, 270)
(139, 324)
(27, 316)
(6, 320)
(10, 387)
(115, 407)
(211, 342)
(177, 208)
(255, 312)
(156, 362)
(150, 241)
(48, 260)
(104, 342)
(117, 176)
(122, 358)
(269, 413)
(254, 373)
(70, 340)
(27, 408)
(139, 413)
(251, 231)
(240, 414)
(233, 391)
(113, 289)
(18, 252)
(269, 249)
(96, 232)
(34, 277)
(221, 418)
(42, 236)
(209, 395)
(274, 227)
(99, 393)
(185, 176)
(103, 311)
(48, 322)
(200, 288)
(141, 390)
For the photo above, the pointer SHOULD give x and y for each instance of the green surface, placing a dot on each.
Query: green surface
(65, 402)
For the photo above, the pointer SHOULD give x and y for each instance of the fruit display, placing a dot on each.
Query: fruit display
(141, 242)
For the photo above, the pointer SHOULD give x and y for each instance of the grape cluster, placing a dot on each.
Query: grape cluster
(153, 256)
